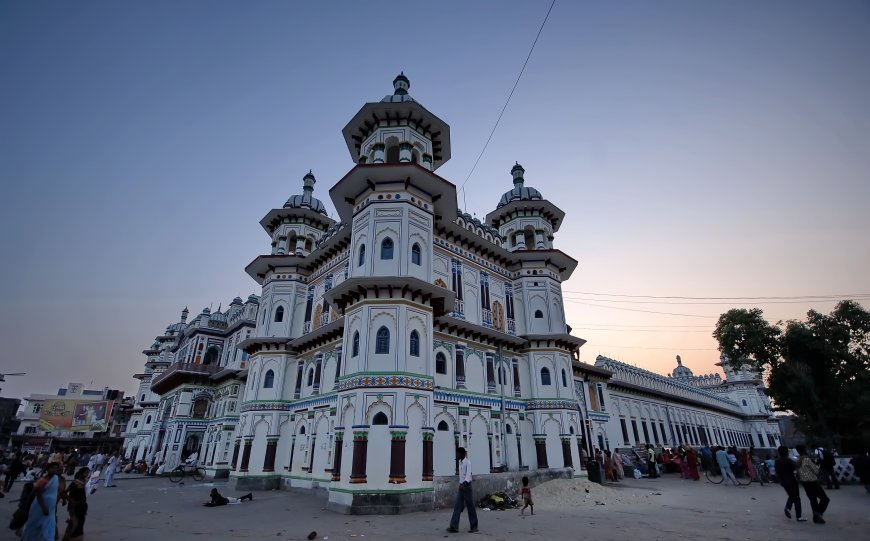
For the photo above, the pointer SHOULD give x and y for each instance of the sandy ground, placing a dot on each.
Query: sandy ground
(667, 508)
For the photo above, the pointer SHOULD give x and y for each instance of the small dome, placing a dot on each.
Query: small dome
(253, 298)
(306, 199)
(682, 371)
(469, 219)
(520, 191)
(237, 300)
(520, 194)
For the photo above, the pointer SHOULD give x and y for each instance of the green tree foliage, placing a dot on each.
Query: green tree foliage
(818, 369)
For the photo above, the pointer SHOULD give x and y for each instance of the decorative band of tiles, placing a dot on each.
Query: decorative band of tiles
(387, 380)
(550, 404)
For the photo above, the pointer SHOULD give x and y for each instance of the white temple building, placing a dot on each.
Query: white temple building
(382, 341)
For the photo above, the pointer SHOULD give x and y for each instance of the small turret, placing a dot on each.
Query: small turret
(401, 84)
(184, 314)
(308, 182)
(517, 172)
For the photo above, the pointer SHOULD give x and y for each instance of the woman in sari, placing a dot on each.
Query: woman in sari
(608, 467)
(617, 465)
(692, 463)
(42, 519)
(77, 505)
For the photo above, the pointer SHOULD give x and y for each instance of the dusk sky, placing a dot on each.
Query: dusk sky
(702, 149)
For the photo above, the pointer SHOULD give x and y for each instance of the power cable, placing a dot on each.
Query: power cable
(701, 303)
(832, 297)
(491, 133)
(639, 310)
(663, 348)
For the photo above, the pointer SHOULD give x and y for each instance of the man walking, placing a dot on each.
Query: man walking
(651, 461)
(826, 465)
(464, 497)
(725, 466)
(111, 466)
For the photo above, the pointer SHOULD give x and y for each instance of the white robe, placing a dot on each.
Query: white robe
(110, 471)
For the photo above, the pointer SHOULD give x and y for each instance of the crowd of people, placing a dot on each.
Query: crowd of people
(791, 469)
(45, 489)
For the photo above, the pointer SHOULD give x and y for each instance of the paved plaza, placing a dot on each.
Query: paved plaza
(147, 509)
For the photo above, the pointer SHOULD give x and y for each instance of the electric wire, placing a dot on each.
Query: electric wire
(491, 133)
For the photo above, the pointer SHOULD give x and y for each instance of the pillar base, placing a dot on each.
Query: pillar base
(249, 483)
(362, 503)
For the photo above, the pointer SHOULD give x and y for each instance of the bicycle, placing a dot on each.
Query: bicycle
(714, 475)
(194, 471)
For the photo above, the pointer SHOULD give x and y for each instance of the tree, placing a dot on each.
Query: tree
(818, 369)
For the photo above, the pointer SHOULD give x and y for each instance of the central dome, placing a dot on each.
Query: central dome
(520, 192)
(306, 199)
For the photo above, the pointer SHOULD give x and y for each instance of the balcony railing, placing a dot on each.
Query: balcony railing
(460, 308)
(460, 382)
(324, 319)
(512, 327)
(306, 328)
(487, 317)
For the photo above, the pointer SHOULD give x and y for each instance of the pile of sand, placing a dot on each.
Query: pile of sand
(579, 491)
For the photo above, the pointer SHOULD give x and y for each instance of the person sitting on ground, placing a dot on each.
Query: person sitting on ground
(217, 499)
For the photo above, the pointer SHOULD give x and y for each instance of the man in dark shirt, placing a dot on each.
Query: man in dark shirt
(785, 473)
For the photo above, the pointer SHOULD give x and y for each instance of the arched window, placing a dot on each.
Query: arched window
(200, 408)
(440, 364)
(545, 376)
(382, 342)
(744, 402)
(380, 419)
(508, 429)
(268, 379)
(211, 355)
(310, 377)
(393, 154)
(148, 420)
(415, 344)
(135, 424)
(387, 248)
(279, 314)
(442, 426)
(539, 314)
(416, 254)
(362, 255)
(564, 379)
(142, 399)
(355, 348)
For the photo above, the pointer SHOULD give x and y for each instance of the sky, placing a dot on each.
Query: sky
(699, 149)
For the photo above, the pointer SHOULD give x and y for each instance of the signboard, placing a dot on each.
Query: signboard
(75, 415)
(36, 445)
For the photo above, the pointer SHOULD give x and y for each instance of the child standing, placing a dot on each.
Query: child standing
(527, 496)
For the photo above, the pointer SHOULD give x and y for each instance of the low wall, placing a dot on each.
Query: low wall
(509, 482)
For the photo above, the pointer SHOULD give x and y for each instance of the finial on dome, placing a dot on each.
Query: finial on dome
(184, 314)
(308, 182)
(517, 172)
(679, 361)
(401, 84)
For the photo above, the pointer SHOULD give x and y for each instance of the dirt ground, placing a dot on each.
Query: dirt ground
(667, 508)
